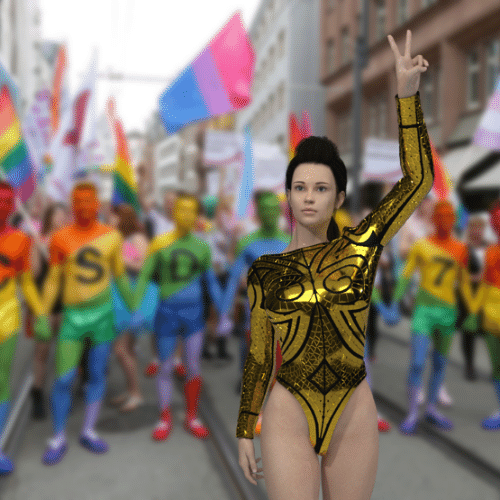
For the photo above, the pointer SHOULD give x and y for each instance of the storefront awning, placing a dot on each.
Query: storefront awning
(460, 160)
(488, 180)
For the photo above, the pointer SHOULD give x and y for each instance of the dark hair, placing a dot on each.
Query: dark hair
(322, 151)
(47, 216)
(128, 222)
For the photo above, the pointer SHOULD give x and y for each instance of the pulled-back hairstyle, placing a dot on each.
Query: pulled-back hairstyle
(322, 151)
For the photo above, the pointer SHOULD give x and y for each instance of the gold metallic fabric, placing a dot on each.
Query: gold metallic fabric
(314, 301)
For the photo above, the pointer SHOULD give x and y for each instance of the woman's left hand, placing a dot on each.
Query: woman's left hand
(408, 69)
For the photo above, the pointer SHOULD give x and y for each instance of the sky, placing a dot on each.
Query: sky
(155, 38)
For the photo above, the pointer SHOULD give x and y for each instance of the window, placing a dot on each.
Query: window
(402, 11)
(473, 70)
(346, 46)
(427, 94)
(377, 117)
(281, 44)
(272, 57)
(281, 96)
(492, 65)
(330, 56)
(345, 132)
(380, 19)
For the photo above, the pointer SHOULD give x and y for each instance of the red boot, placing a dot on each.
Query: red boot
(180, 370)
(192, 390)
(152, 369)
(383, 425)
(163, 427)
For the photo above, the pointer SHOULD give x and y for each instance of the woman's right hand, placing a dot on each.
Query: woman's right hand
(246, 452)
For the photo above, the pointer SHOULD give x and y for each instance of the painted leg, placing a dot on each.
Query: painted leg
(94, 392)
(165, 347)
(192, 387)
(442, 341)
(492, 423)
(419, 347)
(68, 356)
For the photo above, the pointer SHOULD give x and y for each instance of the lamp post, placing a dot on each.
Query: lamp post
(360, 62)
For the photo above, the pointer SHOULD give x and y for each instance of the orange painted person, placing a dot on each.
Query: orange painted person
(14, 269)
(442, 261)
(84, 257)
(488, 305)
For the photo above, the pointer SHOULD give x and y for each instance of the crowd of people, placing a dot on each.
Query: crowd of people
(102, 275)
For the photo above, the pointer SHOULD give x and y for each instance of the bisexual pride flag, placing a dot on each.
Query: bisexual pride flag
(218, 81)
(15, 160)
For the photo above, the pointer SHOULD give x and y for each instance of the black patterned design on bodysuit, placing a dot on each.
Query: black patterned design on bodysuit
(315, 301)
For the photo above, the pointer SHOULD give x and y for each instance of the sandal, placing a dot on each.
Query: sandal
(132, 403)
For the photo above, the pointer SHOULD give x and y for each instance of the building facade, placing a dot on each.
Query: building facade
(459, 38)
(20, 46)
(286, 39)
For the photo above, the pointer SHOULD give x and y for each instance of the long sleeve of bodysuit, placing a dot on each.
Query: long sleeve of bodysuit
(418, 175)
(260, 362)
(329, 305)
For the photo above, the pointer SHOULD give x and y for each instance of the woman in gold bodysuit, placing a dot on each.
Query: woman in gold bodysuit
(313, 299)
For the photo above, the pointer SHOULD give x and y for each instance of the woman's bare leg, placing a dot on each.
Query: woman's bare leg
(290, 465)
(126, 357)
(349, 467)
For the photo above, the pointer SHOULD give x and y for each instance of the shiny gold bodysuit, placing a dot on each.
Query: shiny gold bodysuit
(314, 300)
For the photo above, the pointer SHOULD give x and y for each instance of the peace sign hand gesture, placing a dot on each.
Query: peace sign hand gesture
(408, 70)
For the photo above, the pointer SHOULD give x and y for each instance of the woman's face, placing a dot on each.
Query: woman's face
(59, 219)
(313, 195)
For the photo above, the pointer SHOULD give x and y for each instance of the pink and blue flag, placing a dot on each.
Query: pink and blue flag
(488, 130)
(218, 81)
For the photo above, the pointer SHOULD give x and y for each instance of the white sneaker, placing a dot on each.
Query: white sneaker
(420, 396)
(444, 398)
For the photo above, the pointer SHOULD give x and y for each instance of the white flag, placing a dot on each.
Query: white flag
(75, 138)
(488, 130)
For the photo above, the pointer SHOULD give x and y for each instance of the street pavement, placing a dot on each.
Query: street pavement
(135, 467)
(410, 468)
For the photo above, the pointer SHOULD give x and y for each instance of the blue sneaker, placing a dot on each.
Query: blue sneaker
(409, 426)
(492, 423)
(439, 420)
(54, 454)
(6, 465)
(93, 443)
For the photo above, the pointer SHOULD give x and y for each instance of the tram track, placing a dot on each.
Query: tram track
(450, 447)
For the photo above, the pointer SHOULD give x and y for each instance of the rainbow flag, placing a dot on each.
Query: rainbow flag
(15, 160)
(297, 131)
(218, 81)
(124, 182)
(442, 186)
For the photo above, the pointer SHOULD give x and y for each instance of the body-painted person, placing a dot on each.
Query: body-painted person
(313, 300)
(265, 240)
(15, 248)
(489, 303)
(84, 257)
(441, 260)
(181, 265)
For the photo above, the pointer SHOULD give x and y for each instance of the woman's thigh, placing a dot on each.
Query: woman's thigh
(290, 464)
(349, 467)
